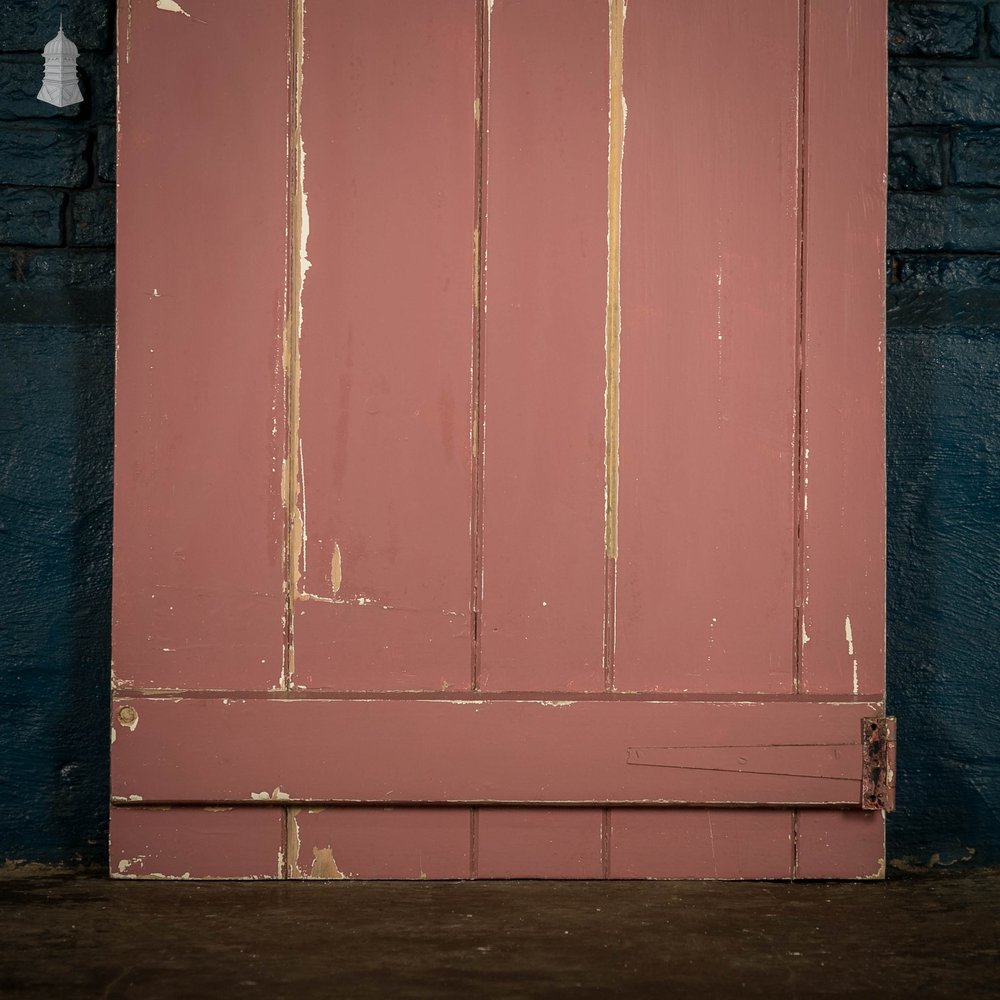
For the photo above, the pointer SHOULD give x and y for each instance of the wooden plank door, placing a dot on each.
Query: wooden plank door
(499, 483)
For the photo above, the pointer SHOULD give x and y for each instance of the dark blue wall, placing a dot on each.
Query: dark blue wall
(943, 368)
(56, 387)
(943, 360)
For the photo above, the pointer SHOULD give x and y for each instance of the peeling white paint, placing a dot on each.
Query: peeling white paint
(849, 636)
(171, 5)
(718, 299)
(276, 796)
(302, 480)
(336, 568)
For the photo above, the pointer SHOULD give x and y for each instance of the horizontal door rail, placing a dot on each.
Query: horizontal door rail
(289, 750)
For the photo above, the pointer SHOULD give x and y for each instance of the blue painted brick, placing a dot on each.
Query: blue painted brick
(97, 80)
(933, 29)
(107, 139)
(916, 162)
(943, 222)
(43, 270)
(993, 20)
(26, 25)
(44, 157)
(93, 215)
(944, 292)
(975, 158)
(944, 95)
(31, 218)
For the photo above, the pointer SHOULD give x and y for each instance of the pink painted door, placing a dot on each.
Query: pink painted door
(499, 484)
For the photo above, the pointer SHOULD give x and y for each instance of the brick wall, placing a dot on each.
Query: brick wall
(943, 373)
(57, 169)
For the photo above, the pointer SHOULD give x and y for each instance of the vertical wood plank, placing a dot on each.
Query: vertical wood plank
(545, 284)
(700, 843)
(844, 289)
(540, 843)
(199, 419)
(709, 331)
(375, 843)
(838, 843)
(184, 842)
(385, 477)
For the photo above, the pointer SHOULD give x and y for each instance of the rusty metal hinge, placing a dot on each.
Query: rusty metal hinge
(878, 763)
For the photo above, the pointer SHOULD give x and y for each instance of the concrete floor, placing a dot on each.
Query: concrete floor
(87, 937)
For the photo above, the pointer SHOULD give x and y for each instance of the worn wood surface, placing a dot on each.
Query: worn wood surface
(541, 626)
(199, 415)
(404, 750)
(579, 346)
(196, 842)
(415, 843)
(709, 327)
(384, 571)
(843, 453)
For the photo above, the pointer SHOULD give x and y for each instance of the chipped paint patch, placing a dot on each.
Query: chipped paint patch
(849, 636)
(324, 865)
(336, 569)
(128, 717)
(172, 6)
(276, 796)
(292, 836)
(293, 485)
(613, 318)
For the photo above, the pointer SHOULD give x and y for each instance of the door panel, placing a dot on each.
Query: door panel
(701, 843)
(540, 843)
(195, 842)
(510, 505)
(709, 333)
(843, 630)
(199, 427)
(358, 842)
(543, 377)
(384, 466)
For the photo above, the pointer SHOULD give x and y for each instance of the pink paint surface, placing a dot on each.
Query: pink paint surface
(504, 752)
(545, 287)
(844, 530)
(386, 346)
(383, 843)
(539, 843)
(709, 327)
(839, 843)
(700, 843)
(199, 421)
(432, 476)
(194, 842)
